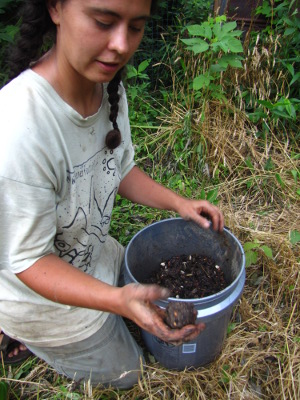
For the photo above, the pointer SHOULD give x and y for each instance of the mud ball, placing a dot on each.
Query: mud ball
(179, 314)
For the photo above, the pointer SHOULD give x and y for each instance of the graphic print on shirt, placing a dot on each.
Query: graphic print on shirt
(84, 216)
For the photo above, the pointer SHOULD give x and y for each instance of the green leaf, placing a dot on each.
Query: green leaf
(223, 44)
(249, 164)
(251, 257)
(235, 45)
(235, 63)
(290, 68)
(131, 72)
(295, 174)
(250, 245)
(279, 180)
(143, 65)
(269, 165)
(222, 66)
(231, 327)
(8, 33)
(200, 47)
(203, 30)
(217, 30)
(200, 82)
(221, 18)
(267, 251)
(295, 78)
(294, 237)
(289, 31)
(229, 26)
(207, 32)
(212, 195)
(3, 391)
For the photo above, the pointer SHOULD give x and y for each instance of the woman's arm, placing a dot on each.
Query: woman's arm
(140, 188)
(55, 279)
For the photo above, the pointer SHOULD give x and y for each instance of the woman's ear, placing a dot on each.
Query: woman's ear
(54, 7)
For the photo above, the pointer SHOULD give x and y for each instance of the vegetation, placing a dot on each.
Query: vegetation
(221, 123)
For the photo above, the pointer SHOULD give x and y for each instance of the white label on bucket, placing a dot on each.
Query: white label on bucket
(189, 348)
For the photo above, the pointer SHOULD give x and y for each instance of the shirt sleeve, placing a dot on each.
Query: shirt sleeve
(27, 177)
(28, 224)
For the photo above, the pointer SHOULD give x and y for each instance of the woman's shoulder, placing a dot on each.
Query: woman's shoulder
(20, 92)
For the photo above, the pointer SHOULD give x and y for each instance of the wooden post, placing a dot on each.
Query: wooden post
(220, 7)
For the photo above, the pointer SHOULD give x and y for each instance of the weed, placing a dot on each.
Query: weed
(217, 42)
(252, 250)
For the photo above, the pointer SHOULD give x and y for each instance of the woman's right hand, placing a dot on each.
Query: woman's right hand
(138, 305)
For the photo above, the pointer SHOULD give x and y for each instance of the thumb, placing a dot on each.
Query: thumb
(150, 292)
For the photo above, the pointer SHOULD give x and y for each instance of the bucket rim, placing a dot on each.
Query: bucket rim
(207, 299)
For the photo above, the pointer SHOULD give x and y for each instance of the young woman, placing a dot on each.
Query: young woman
(66, 152)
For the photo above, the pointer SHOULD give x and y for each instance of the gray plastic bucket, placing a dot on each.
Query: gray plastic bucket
(175, 236)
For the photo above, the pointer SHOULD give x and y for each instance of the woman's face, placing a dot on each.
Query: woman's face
(95, 38)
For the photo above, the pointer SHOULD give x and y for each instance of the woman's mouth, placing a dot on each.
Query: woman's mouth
(109, 67)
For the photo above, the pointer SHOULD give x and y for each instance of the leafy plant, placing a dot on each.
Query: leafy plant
(280, 44)
(8, 30)
(210, 196)
(141, 110)
(252, 250)
(217, 41)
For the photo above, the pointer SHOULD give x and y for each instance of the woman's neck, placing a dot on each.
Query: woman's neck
(82, 95)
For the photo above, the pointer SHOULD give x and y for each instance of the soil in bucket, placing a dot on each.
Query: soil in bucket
(189, 276)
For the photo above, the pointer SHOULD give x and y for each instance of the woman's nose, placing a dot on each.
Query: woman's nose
(119, 40)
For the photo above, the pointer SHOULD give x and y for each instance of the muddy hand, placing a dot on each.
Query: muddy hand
(137, 304)
(176, 336)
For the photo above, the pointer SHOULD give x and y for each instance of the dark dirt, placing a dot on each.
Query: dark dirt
(179, 314)
(189, 277)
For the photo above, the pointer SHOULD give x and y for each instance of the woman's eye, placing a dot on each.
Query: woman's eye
(135, 28)
(103, 25)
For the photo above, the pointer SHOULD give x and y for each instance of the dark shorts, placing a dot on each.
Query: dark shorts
(109, 357)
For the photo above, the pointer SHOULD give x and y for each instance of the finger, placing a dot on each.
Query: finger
(148, 292)
(202, 221)
(213, 214)
(191, 333)
(185, 334)
(217, 223)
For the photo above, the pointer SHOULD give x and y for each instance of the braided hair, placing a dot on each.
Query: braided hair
(36, 27)
(113, 138)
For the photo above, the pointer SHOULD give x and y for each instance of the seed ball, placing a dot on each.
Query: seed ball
(179, 314)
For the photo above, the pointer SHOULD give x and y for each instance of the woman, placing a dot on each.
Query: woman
(66, 152)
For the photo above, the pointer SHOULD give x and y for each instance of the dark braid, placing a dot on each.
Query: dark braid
(35, 24)
(113, 138)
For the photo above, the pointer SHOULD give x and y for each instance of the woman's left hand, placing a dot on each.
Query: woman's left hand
(202, 212)
(140, 188)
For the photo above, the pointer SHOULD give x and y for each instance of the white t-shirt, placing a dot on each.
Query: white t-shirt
(58, 186)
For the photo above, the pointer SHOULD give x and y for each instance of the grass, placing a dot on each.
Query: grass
(256, 178)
